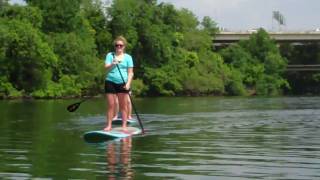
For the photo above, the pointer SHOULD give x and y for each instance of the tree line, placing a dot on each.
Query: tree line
(54, 49)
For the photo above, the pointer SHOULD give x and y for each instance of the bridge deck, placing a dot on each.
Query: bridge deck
(298, 37)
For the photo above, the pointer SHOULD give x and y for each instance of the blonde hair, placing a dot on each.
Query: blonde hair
(120, 38)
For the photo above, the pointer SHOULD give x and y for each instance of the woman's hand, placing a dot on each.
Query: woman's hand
(115, 61)
(127, 86)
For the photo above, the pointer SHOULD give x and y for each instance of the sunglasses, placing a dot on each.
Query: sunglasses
(119, 45)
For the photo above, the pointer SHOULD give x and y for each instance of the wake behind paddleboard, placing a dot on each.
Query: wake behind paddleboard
(117, 132)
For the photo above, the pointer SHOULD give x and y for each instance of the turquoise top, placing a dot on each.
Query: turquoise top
(114, 75)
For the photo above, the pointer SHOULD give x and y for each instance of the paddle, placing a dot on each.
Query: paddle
(133, 106)
(75, 106)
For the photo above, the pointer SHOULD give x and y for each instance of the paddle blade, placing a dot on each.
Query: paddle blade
(73, 107)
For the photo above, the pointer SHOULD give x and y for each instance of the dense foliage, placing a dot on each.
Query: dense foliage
(260, 64)
(53, 49)
(303, 82)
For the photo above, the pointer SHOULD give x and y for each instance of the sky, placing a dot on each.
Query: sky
(242, 15)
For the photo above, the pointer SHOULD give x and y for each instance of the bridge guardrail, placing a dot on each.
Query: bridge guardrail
(303, 67)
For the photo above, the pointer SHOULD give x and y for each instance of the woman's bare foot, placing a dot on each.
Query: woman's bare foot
(107, 128)
(125, 130)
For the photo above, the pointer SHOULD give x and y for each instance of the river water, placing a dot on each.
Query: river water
(186, 138)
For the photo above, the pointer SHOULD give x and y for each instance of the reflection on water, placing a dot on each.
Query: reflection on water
(186, 138)
(119, 159)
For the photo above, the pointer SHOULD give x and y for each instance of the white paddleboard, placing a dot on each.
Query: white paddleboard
(117, 132)
(119, 121)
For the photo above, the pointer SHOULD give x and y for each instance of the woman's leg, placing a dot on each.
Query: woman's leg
(129, 108)
(123, 104)
(116, 109)
(111, 101)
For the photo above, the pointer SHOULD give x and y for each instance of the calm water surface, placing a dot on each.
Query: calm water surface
(186, 138)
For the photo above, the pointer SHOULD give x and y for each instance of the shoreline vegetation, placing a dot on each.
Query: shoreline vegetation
(56, 49)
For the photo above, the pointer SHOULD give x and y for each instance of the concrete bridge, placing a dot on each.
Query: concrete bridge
(281, 37)
(224, 38)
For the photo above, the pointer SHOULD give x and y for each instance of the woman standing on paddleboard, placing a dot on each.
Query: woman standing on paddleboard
(118, 81)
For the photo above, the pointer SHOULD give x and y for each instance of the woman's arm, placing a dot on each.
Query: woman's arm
(108, 66)
(130, 77)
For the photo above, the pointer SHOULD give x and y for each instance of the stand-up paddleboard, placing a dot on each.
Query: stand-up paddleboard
(117, 132)
(119, 121)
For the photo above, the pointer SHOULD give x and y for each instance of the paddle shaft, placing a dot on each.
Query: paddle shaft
(133, 106)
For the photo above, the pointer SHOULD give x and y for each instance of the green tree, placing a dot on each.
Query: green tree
(3, 3)
(93, 12)
(259, 45)
(47, 65)
(238, 58)
(302, 82)
(123, 15)
(209, 25)
(172, 51)
(23, 13)
(59, 15)
(260, 62)
(166, 44)
(26, 57)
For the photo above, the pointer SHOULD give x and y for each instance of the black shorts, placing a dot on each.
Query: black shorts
(113, 88)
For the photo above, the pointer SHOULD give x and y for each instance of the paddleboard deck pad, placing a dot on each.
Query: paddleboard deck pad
(119, 121)
(117, 132)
